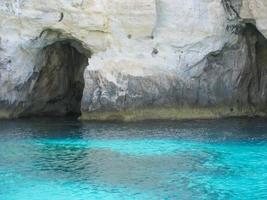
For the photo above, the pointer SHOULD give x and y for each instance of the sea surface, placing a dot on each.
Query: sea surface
(64, 159)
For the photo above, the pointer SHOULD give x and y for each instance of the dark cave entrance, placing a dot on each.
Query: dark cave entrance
(255, 74)
(58, 86)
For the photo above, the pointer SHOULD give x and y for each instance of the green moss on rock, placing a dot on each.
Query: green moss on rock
(184, 113)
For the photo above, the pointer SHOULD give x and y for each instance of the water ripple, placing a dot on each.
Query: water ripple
(187, 160)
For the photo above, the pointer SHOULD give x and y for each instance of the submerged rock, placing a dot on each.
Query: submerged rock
(133, 60)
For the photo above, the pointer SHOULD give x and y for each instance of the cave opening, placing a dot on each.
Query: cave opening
(58, 85)
(254, 78)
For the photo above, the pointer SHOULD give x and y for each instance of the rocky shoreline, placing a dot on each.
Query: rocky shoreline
(133, 60)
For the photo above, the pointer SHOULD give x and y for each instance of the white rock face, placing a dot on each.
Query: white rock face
(256, 10)
(144, 53)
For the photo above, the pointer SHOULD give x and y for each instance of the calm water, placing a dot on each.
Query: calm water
(70, 160)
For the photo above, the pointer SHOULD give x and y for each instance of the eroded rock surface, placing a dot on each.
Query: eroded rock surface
(141, 55)
(57, 86)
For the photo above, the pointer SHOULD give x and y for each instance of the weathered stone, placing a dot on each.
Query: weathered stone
(142, 55)
(57, 86)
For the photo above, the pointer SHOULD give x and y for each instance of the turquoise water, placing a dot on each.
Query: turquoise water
(69, 160)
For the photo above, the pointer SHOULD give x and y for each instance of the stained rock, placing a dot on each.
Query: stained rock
(114, 59)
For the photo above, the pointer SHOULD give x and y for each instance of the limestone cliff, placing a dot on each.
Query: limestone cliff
(130, 60)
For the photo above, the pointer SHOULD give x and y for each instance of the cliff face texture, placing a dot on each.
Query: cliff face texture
(133, 60)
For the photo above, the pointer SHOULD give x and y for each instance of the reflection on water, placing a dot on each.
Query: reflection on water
(64, 159)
